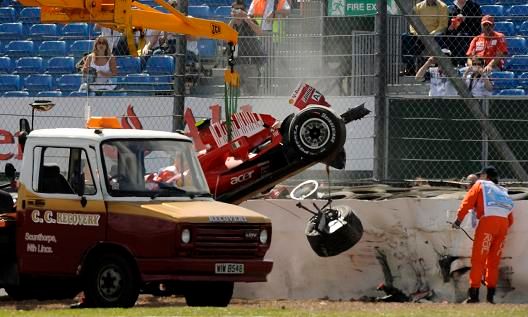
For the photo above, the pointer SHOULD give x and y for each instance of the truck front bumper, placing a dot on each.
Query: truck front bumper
(202, 270)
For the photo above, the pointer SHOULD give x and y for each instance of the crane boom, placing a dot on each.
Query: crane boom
(126, 15)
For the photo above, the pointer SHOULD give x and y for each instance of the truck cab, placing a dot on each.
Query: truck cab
(119, 212)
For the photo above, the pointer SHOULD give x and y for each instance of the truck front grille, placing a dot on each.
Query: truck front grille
(235, 241)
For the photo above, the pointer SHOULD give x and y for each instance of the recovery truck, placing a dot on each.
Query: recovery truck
(93, 215)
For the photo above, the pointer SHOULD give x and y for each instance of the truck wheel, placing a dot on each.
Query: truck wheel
(317, 132)
(110, 281)
(216, 294)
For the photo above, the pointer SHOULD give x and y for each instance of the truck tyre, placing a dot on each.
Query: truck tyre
(330, 244)
(215, 294)
(110, 281)
(317, 132)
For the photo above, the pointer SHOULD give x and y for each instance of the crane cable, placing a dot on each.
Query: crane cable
(231, 89)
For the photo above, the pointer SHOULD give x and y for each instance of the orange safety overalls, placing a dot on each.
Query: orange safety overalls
(493, 207)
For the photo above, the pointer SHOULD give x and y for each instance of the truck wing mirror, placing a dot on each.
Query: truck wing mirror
(10, 171)
(24, 126)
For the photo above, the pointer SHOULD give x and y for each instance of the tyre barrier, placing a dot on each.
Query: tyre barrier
(330, 241)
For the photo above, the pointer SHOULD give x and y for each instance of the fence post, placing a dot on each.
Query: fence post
(179, 75)
(380, 141)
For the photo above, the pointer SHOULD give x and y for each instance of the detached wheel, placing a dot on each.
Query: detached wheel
(330, 243)
(215, 294)
(111, 281)
(317, 132)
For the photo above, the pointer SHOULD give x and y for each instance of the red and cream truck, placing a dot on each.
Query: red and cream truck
(94, 213)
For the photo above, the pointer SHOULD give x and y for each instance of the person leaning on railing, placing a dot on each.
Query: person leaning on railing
(489, 46)
(439, 84)
(477, 80)
(433, 14)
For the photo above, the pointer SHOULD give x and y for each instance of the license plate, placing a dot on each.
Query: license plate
(229, 268)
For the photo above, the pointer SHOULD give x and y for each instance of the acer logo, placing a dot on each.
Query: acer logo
(215, 29)
(241, 178)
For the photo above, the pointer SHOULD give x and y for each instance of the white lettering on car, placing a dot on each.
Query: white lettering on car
(242, 177)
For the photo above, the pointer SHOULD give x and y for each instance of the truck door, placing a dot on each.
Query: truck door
(64, 212)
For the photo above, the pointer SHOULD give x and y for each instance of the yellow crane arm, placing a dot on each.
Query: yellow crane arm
(126, 15)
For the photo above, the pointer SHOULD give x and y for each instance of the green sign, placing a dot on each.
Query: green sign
(338, 8)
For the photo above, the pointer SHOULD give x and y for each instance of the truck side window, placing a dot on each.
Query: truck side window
(61, 168)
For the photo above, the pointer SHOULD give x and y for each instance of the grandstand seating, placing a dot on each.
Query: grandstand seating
(207, 48)
(505, 27)
(522, 80)
(160, 65)
(201, 11)
(11, 31)
(9, 82)
(29, 15)
(486, 2)
(516, 45)
(503, 80)
(128, 65)
(69, 82)
(222, 13)
(494, 10)
(81, 47)
(29, 65)
(517, 63)
(61, 65)
(20, 49)
(52, 48)
(38, 82)
(511, 2)
(7, 15)
(43, 32)
(140, 82)
(18, 93)
(511, 92)
(52, 93)
(6, 66)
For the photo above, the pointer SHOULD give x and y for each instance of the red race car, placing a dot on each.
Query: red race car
(253, 152)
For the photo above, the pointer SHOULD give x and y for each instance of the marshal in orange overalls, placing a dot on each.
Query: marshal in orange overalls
(493, 207)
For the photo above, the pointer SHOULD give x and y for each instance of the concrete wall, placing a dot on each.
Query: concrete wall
(413, 234)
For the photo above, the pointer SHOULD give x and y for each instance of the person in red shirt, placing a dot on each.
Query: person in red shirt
(490, 46)
(493, 207)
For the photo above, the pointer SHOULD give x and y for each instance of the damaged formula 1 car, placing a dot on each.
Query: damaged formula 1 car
(252, 152)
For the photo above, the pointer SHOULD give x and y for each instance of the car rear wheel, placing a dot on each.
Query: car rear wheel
(317, 132)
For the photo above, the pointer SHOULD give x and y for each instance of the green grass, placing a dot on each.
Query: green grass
(315, 308)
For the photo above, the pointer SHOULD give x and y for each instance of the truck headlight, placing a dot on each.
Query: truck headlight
(263, 238)
(186, 236)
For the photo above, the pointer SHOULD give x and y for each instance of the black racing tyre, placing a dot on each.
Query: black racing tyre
(285, 128)
(215, 294)
(331, 244)
(317, 132)
(110, 281)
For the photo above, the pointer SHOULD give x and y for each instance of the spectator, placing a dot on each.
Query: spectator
(490, 46)
(102, 65)
(433, 14)
(122, 44)
(464, 24)
(267, 11)
(112, 37)
(439, 82)
(477, 79)
(250, 52)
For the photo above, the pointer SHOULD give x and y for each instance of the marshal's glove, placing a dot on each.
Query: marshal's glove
(456, 224)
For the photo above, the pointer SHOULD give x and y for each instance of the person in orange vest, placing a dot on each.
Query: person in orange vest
(268, 10)
(493, 208)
